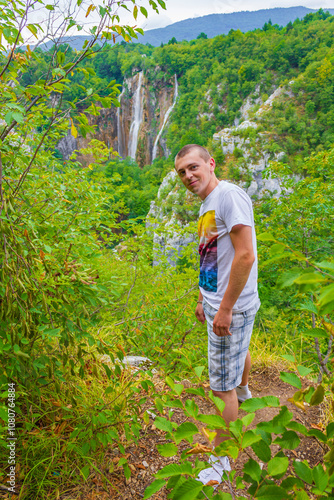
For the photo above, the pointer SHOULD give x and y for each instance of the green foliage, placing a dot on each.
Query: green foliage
(277, 477)
(133, 186)
(55, 219)
(215, 76)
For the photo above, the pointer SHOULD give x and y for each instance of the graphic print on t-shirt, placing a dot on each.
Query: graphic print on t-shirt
(208, 234)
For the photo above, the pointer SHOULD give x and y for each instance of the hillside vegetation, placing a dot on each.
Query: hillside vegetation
(79, 291)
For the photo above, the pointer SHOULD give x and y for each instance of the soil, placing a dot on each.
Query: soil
(144, 459)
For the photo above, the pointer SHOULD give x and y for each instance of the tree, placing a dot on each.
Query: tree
(172, 41)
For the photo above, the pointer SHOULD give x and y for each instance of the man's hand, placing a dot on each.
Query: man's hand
(199, 313)
(222, 322)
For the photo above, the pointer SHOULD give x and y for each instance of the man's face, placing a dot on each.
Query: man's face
(196, 174)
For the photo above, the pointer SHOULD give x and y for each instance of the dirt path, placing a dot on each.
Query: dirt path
(144, 459)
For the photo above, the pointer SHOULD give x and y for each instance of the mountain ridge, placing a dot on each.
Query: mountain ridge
(211, 24)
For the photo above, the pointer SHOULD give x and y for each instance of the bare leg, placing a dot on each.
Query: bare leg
(248, 364)
(230, 412)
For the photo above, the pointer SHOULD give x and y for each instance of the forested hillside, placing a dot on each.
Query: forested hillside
(91, 276)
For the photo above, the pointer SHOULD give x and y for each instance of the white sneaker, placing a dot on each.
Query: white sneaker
(220, 464)
(243, 393)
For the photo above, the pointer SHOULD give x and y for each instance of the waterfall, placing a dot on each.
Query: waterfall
(137, 117)
(155, 146)
(120, 147)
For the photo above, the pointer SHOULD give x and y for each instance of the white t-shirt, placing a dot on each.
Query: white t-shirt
(226, 206)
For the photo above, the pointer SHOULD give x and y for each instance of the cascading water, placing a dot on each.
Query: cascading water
(137, 118)
(120, 147)
(155, 146)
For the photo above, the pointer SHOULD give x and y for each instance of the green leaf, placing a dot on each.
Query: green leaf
(143, 11)
(265, 237)
(135, 12)
(262, 450)
(153, 488)
(85, 471)
(303, 471)
(213, 421)
(17, 116)
(249, 438)
(288, 278)
(127, 471)
(278, 466)
(296, 426)
(290, 482)
(163, 424)
(271, 401)
(318, 396)
(330, 430)
(188, 490)
(318, 434)
(304, 371)
(32, 28)
(283, 418)
(174, 470)
(185, 431)
(219, 403)
(167, 450)
(248, 419)
(309, 306)
(271, 492)
(326, 294)
(199, 370)
(288, 357)
(253, 470)
(302, 495)
(278, 248)
(178, 388)
(292, 379)
(289, 440)
(251, 405)
(316, 332)
(309, 278)
(191, 408)
(173, 403)
(326, 265)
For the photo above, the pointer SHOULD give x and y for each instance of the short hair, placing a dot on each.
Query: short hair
(203, 152)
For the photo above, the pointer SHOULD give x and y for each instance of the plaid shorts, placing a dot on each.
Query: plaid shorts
(227, 354)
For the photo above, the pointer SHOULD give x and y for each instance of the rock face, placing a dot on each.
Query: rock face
(169, 219)
(244, 139)
(133, 128)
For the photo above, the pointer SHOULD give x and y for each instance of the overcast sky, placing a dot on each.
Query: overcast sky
(184, 9)
(177, 10)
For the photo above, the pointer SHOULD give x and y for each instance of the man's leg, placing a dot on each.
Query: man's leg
(243, 392)
(248, 364)
(230, 412)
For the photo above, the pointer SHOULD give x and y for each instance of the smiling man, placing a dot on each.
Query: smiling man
(228, 298)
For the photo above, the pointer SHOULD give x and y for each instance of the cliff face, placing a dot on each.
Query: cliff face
(133, 128)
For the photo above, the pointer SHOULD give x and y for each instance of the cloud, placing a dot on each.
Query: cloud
(155, 21)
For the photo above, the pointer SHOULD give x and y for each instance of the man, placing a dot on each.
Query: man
(228, 298)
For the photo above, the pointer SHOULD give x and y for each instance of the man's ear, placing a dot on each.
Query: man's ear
(212, 164)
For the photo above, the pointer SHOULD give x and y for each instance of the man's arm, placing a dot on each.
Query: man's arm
(241, 237)
(199, 313)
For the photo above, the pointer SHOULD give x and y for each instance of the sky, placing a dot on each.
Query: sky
(176, 10)
(185, 9)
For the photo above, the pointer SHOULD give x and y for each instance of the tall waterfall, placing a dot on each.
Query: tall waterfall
(137, 117)
(120, 147)
(155, 146)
